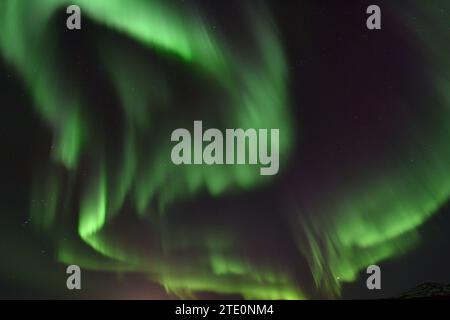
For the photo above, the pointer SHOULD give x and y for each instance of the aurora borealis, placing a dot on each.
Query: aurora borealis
(364, 122)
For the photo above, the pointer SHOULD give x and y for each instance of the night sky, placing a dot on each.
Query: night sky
(364, 119)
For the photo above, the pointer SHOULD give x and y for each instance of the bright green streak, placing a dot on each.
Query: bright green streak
(357, 226)
(377, 218)
(253, 89)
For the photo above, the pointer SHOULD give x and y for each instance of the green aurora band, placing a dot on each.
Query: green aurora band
(368, 224)
(378, 207)
(259, 72)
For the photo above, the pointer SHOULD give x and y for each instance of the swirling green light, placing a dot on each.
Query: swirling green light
(252, 84)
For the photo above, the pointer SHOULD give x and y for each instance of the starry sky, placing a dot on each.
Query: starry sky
(364, 119)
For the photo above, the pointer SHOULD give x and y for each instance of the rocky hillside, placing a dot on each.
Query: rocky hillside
(428, 291)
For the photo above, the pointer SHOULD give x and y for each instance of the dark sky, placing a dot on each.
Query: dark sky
(354, 94)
